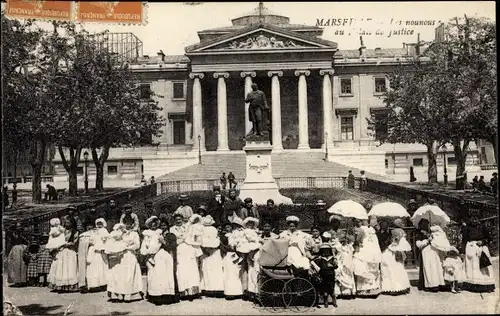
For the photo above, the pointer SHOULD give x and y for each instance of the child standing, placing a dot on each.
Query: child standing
(453, 269)
(31, 259)
(44, 260)
(316, 240)
(327, 265)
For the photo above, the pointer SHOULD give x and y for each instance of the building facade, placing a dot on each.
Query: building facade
(319, 98)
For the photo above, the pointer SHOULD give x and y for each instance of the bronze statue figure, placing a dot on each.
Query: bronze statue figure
(257, 110)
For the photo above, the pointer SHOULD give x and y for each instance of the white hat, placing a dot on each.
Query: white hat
(195, 218)
(150, 220)
(236, 220)
(55, 221)
(327, 235)
(292, 218)
(102, 221)
(208, 220)
(250, 219)
(119, 226)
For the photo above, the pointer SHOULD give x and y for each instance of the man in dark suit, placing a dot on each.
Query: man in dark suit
(258, 103)
(216, 206)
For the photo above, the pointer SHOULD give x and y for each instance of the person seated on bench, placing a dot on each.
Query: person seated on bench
(51, 194)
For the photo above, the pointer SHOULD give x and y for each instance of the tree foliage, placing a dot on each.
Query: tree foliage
(447, 95)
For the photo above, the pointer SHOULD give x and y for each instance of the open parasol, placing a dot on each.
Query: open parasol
(389, 209)
(434, 214)
(349, 208)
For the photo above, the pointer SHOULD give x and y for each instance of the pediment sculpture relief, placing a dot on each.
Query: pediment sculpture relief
(262, 42)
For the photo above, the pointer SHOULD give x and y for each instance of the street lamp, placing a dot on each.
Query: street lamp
(445, 176)
(326, 146)
(86, 157)
(199, 149)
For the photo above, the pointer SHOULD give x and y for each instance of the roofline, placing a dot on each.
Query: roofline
(256, 27)
(262, 51)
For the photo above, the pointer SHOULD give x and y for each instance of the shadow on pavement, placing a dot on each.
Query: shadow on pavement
(37, 309)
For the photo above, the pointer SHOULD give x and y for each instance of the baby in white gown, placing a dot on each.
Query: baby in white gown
(56, 234)
(439, 239)
(115, 244)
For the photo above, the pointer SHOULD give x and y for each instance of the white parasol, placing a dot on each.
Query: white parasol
(349, 208)
(389, 209)
(432, 213)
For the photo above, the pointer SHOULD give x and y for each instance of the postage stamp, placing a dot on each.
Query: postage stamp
(111, 12)
(36, 9)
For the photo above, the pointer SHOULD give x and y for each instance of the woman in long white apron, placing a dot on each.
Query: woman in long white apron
(97, 267)
(231, 262)
(212, 280)
(160, 264)
(125, 279)
(392, 269)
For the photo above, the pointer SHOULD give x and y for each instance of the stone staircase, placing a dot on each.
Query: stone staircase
(287, 164)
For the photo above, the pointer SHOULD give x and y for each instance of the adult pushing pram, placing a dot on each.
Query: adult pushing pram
(279, 284)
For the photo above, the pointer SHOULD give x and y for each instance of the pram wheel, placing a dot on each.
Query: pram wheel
(299, 292)
(271, 293)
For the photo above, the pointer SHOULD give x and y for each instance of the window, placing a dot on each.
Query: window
(178, 90)
(418, 162)
(452, 161)
(79, 171)
(386, 163)
(380, 85)
(179, 132)
(347, 128)
(112, 170)
(380, 116)
(145, 91)
(345, 86)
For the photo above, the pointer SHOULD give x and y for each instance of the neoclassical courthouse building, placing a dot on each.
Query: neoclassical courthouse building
(319, 98)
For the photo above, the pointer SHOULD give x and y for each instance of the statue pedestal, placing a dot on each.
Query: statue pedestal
(259, 183)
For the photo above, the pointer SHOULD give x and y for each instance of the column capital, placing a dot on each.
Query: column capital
(278, 73)
(326, 72)
(221, 74)
(302, 72)
(244, 74)
(196, 75)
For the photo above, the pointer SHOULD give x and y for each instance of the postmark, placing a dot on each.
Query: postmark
(112, 12)
(36, 9)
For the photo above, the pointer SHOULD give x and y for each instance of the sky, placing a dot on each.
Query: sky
(173, 26)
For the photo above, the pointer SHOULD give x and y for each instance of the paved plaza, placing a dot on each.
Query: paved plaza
(40, 301)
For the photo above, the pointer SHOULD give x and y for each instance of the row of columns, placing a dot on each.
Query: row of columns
(223, 144)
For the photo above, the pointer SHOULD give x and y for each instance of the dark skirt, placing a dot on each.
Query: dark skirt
(163, 299)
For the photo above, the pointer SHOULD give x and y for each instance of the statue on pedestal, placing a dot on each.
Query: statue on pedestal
(257, 111)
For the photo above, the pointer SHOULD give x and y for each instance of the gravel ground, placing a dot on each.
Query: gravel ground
(40, 301)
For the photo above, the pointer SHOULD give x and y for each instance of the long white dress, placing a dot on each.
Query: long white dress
(298, 244)
(367, 263)
(161, 279)
(431, 269)
(125, 279)
(212, 276)
(188, 273)
(97, 267)
(393, 273)
(232, 270)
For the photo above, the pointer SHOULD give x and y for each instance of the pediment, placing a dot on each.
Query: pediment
(261, 37)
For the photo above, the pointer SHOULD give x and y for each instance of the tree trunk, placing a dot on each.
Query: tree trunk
(99, 166)
(16, 157)
(71, 168)
(460, 151)
(495, 148)
(432, 165)
(37, 158)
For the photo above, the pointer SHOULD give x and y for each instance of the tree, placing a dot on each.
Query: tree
(27, 121)
(120, 117)
(415, 109)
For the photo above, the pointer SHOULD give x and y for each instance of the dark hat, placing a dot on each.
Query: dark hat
(202, 207)
(183, 197)
(127, 206)
(412, 201)
(148, 203)
(216, 187)
(71, 208)
(248, 200)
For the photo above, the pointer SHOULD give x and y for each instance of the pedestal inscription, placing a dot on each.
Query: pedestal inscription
(259, 183)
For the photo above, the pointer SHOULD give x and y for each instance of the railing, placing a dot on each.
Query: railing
(489, 167)
(26, 179)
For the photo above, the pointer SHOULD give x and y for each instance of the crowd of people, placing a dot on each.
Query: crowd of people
(480, 185)
(214, 251)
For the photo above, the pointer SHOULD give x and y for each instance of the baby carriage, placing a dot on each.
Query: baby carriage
(278, 286)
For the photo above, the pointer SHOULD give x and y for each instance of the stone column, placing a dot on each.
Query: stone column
(248, 75)
(303, 123)
(327, 107)
(276, 109)
(222, 110)
(197, 112)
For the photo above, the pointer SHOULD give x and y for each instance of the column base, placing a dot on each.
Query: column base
(223, 149)
(277, 149)
(303, 147)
